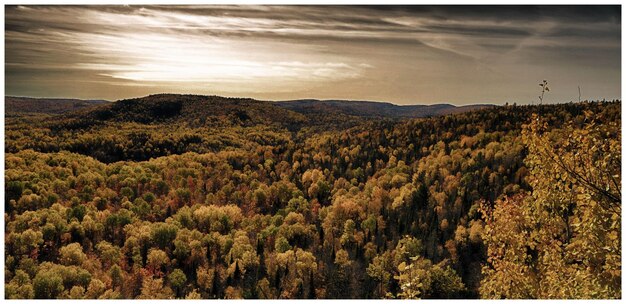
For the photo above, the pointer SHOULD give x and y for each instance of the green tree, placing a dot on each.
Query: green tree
(163, 234)
(177, 279)
(19, 287)
(47, 285)
(72, 254)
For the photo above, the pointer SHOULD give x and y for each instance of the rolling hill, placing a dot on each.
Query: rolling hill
(164, 107)
(47, 105)
(373, 108)
(192, 109)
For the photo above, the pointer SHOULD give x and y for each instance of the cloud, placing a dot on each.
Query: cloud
(153, 45)
(312, 49)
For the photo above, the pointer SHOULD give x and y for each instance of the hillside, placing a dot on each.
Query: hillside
(150, 203)
(165, 124)
(192, 110)
(199, 110)
(14, 105)
(373, 109)
(156, 125)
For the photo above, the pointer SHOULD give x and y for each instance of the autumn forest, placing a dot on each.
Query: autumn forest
(205, 197)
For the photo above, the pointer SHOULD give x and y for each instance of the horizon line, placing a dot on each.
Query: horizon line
(328, 100)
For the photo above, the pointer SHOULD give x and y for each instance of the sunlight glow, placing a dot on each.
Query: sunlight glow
(146, 55)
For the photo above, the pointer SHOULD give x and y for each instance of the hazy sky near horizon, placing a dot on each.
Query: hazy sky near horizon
(404, 55)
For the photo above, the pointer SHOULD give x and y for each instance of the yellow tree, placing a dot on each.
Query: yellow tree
(563, 239)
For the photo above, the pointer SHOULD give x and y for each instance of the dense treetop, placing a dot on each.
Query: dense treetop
(187, 196)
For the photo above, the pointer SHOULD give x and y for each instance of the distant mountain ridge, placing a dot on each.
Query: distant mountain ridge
(203, 109)
(14, 104)
(374, 108)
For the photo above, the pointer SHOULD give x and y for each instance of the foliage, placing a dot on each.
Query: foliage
(131, 201)
(563, 239)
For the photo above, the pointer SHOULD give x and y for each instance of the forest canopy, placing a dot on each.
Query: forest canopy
(184, 196)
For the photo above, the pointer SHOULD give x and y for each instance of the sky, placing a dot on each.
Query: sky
(399, 54)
